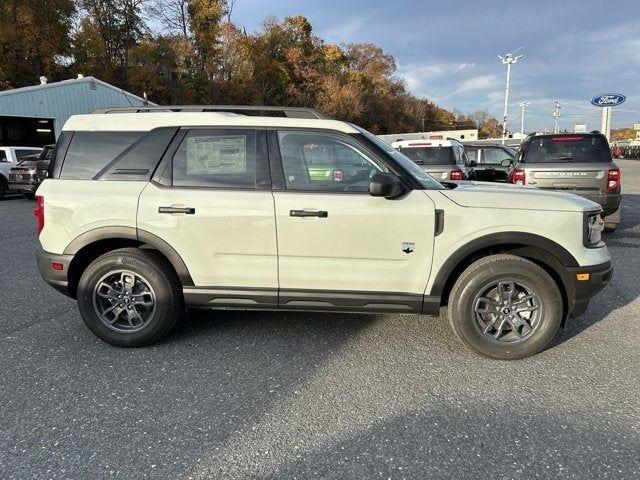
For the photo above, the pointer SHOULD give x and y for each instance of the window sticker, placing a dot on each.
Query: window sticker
(214, 155)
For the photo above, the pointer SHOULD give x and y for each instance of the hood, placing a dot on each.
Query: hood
(508, 195)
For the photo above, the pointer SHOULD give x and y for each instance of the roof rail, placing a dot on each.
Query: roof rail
(290, 112)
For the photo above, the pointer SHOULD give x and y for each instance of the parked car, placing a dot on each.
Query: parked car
(9, 157)
(491, 160)
(147, 212)
(24, 176)
(442, 159)
(575, 163)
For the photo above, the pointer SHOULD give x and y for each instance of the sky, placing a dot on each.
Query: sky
(448, 51)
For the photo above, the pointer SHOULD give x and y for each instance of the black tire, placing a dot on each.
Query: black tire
(155, 281)
(610, 227)
(29, 195)
(473, 300)
(3, 187)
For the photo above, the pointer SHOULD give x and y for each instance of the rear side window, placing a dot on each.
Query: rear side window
(472, 153)
(90, 152)
(217, 158)
(430, 155)
(568, 148)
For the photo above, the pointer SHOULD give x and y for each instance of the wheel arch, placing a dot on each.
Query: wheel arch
(90, 245)
(546, 253)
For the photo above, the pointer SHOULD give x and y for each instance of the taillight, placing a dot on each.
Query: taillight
(613, 180)
(519, 177)
(456, 175)
(338, 176)
(38, 212)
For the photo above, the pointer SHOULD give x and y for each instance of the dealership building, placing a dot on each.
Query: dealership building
(35, 115)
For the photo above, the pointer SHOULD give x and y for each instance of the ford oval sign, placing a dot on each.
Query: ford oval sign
(608, 100)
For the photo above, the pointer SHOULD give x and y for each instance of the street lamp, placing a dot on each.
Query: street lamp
(523, 105)
(556, 117)
(507, 60)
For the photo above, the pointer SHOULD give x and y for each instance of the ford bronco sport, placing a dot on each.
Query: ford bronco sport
(575, 163)
(149, 211)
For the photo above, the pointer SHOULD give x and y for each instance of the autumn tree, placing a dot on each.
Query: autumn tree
(34, 38)
(119, 25)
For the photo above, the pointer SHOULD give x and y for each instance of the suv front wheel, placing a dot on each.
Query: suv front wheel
(130, 297)
(505, 307)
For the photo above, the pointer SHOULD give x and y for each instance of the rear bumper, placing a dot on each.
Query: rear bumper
(583, 291)
(56, 278)
(609, 202)
(24, 187)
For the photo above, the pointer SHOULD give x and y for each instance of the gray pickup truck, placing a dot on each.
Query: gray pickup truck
(572, 163)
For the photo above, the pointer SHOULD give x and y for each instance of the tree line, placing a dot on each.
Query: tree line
(190, 52)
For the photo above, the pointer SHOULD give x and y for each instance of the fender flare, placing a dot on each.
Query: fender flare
(519, 239)
(131, 233)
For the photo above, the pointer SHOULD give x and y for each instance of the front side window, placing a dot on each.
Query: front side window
(216, 158)
(325, 162)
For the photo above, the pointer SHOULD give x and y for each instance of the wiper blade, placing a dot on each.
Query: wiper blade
(568, 159)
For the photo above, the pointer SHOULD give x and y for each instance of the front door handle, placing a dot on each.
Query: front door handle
(187, 210)
(308, 213)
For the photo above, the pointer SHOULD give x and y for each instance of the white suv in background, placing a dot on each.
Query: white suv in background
(443, 159)
(151, 210)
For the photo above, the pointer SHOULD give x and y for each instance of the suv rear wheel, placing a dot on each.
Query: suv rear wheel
(130, 297)
(505, 307)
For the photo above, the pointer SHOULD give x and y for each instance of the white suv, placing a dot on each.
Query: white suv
(147, 212)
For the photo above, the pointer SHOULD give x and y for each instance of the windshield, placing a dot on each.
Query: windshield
(426, 180)
(568, 148)
(429, 155)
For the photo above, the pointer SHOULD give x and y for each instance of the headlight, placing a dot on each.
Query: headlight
(594, 225)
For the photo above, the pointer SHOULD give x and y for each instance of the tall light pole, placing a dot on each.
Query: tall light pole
(523, 105)
(556, 117)
(507, 60)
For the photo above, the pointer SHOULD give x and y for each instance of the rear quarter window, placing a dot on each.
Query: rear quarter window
(90, 152)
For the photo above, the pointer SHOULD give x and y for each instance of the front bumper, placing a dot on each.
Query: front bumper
(581, 291)
(56, 278)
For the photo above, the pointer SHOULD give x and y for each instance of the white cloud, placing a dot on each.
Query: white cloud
(464, 65)
(472, 84)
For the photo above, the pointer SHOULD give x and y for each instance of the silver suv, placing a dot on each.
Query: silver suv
(443, 159)
(574, 163)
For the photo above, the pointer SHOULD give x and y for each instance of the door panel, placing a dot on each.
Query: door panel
(358, 245)
(229, 240)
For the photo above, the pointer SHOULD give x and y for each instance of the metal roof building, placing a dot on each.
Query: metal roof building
(60, 100)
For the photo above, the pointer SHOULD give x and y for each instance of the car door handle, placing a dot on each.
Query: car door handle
(187, 210)
(308, 213)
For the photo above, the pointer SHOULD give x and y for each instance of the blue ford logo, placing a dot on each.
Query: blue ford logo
(608, 100)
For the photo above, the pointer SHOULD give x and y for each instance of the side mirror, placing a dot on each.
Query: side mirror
(472, 163)
(386, 185)
(506, 162)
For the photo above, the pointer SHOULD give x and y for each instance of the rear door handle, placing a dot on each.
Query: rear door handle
(187, 210)
(308, 213)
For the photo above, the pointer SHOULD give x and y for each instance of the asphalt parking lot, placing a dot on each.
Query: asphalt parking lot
(297, 395)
